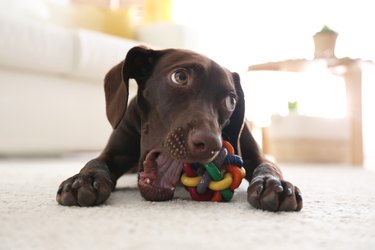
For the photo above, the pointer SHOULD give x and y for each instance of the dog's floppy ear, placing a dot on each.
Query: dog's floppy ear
(232, 132)
(138, 64)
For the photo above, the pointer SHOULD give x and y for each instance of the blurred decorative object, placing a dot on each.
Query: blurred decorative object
(109, 17)
(157, 11)
(325, 43)
(157, 27)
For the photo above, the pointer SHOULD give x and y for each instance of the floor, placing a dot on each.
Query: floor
(338, 213)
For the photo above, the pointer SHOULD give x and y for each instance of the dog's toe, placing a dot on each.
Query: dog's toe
(65, 196)
(86, 196)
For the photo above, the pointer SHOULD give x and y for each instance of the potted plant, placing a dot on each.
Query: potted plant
(325, 42)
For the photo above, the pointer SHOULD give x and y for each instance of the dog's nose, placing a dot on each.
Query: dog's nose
(203, 145)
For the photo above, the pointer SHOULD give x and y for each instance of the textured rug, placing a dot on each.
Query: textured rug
(338, 213)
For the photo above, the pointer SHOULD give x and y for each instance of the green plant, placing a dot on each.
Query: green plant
(293, 106)
(327, 29)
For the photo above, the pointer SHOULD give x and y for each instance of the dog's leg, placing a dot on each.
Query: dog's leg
(267, 190)
(94, 183)
(96, 180)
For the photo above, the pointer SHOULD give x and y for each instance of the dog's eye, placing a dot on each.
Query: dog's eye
(180, 76)
(230, 103)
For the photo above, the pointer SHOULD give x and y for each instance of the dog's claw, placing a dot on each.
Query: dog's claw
(67, 187)
(279, 189)
(77, 183)
(299, 196)
(260, 189)
(60, 189)
(95, 185)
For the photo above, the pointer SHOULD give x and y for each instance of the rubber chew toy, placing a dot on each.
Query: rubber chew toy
(217, 180)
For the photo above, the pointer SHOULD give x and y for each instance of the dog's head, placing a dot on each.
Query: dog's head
(187, 105)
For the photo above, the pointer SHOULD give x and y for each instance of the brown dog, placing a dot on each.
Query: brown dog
(185, 106)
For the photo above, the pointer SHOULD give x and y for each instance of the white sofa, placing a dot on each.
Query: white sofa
(51, 87)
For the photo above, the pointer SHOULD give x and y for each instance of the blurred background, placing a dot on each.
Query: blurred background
(306, 68)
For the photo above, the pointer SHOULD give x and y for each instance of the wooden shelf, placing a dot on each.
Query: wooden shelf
(301, 65)
(351, 71)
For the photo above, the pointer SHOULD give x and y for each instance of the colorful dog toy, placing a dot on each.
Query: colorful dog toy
(217, 180)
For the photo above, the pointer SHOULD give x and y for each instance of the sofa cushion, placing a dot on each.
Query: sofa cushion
(30, 44)
(38, 46)
(96, 53)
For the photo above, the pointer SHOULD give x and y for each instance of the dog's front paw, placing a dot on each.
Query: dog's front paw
(268, 192)
(88, 189)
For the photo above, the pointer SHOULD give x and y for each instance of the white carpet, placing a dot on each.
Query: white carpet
(338, 213)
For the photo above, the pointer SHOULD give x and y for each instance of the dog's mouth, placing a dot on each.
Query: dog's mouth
(159, 177)
(160, 174)
(162, 166)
